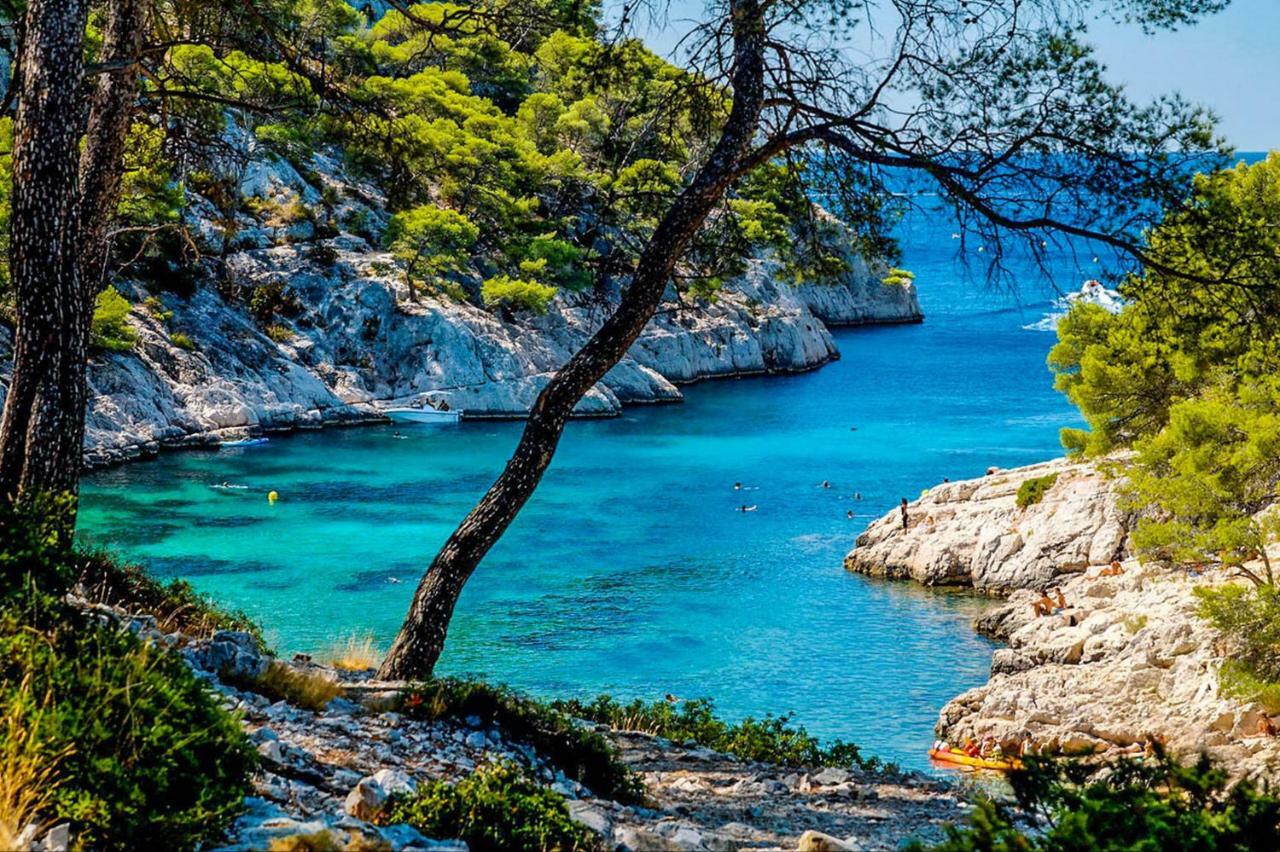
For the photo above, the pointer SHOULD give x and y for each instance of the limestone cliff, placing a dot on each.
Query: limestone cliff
(353, 340)
(973, 533)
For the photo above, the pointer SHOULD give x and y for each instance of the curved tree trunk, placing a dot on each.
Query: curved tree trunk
(43, 422)
(418, 645)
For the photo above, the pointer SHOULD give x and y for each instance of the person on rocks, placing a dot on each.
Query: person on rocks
(1061, 601)
(905, 519)
(1043, 606)
(1266, 727)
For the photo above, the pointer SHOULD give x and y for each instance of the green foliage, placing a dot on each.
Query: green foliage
(1153, 805)
(143, 756)
(1185, 374)
(102, 578)
(505, 291)
(898, 277)
(111, 331)
(267, 301)
(580, 753)
(772, 739)
(182, 341)
(431, 242)
(499, 806)
(1249, 620)
(1032, 491)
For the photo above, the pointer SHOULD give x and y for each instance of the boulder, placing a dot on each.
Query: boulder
(365, 800)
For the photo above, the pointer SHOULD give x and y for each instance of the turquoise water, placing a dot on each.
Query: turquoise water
(631, 570)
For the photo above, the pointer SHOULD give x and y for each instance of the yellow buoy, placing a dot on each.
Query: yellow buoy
(272, 496)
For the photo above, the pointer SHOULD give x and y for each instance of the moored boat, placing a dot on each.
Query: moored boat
(422, 415)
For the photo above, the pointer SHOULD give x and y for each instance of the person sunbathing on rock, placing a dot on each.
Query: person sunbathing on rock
(1062, 602)
(1044, 606)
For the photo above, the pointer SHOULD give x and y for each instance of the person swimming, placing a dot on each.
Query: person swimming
(826, 483)
(737, 486)
(745, 508)
(227, 486)
(849, 514)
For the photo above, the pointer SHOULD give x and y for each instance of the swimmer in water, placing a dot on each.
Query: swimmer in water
(745, 508)
(849, 514)
(857, 495)
(826, 484)
(737, 486)
(228, 486)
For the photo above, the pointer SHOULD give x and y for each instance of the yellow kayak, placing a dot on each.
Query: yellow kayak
(959, 758)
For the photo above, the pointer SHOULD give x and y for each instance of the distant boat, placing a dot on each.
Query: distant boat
(422, 415)
(246, 442)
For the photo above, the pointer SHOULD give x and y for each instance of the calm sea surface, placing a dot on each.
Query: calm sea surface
(631, 570)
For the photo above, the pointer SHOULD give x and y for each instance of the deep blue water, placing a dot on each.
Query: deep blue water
(631, 570)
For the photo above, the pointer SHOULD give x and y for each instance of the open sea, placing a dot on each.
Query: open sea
(631, 570)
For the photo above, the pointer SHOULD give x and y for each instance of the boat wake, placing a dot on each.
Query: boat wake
(1091, 293)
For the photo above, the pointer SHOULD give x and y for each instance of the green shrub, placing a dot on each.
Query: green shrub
(505, 291)
(279, 333)
(1032, 491)
(156, 308)
(145, 757)
(497, 807)
(772, 739)
(1248, 618)
(182, 341)
(102, 578)
(898, 277)
(267, 301)
(579, 753)
(110, 330)
(1152, 805)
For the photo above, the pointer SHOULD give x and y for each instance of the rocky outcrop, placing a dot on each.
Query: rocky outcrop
(1127, 660)
(972, 533)
(350, 339)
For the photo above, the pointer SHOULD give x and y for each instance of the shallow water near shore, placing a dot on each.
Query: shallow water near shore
(632, 571)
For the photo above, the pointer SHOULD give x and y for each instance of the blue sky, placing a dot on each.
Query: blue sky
(1229, 62)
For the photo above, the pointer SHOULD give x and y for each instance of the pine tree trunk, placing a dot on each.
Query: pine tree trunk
(421, 639)
(43, 423)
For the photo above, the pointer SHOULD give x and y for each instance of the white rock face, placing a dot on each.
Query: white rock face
(1128, 659)
(356, 340)
(973, 533)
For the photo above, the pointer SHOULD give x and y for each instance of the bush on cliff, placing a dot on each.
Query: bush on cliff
(1032, 491)
(499, 806)
(138, 752)
(1158, 806)
(772, 739)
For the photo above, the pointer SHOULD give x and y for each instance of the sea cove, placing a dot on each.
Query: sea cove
(632, 571)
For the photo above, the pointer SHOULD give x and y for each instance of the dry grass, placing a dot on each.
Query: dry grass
(310, 690)
(356, 653)
(324, 841)
(27, 774)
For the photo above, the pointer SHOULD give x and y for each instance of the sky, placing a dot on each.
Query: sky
(1229, 62)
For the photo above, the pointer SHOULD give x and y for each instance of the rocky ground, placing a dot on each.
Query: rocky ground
(348, 339)
(1126, 661)
(330, 772)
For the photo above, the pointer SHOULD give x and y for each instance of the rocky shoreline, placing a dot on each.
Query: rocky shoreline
(330, 771)
(345, 338)
(1126, 661)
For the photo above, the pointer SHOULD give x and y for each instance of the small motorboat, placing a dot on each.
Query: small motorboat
(425, 414)
(959, 758)
(246, 442)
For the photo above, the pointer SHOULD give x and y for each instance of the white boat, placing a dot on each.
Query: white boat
(422, 415)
